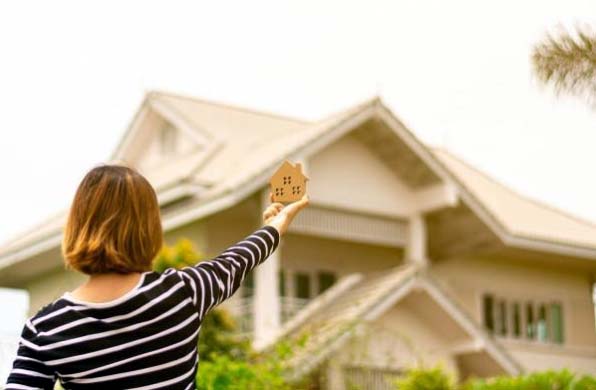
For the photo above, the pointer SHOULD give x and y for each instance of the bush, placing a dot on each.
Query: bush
(425, 379)
(546, 380)
(437, 379)
(218, 337)
(225, 373)
(182, 254)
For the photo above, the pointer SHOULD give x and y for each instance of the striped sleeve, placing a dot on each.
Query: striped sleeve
(29, 371)
(211, 282)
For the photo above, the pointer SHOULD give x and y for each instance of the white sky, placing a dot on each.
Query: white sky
(72, 75)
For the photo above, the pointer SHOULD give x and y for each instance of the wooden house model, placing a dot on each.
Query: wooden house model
(288, 183)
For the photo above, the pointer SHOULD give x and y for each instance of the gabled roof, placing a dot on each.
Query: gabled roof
(519, 215)
(330, 325)
(222, 133)
(247, 148)
(241, 149)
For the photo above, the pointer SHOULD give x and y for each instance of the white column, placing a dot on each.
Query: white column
(266, 300)
(417, 240)
(333, 376)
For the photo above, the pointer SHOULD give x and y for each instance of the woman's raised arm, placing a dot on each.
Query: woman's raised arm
(214, 281)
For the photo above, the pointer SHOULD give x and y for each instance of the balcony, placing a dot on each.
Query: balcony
(242, 310)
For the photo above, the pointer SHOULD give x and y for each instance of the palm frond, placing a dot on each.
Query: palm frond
(567, 61)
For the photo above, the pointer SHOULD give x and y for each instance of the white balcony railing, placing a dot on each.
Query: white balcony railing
(242, 310)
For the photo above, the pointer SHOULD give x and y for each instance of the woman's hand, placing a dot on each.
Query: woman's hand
(280, 216)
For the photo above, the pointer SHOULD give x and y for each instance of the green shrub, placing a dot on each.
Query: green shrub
(425, 379)
(546, 380)
(180, 255)
(225, 373)
(218, 337)
(437, 379)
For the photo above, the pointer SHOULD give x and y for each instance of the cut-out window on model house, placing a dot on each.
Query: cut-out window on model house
(539, 321)
(168, 139)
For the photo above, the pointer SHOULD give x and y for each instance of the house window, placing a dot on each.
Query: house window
(302, 284)
(488, 312)
(517, 325)
(541, 328)
(540, 321)
(502, 317)
(168, 140)
(530, 324)
(556, 322)
(282, 283)
(326, 280)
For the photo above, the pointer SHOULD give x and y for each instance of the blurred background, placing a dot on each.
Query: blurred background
(463, 76)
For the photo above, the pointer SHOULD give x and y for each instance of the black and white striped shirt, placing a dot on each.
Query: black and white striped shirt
(146, 339)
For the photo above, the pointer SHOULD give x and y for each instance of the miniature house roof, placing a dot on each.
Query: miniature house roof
(288, 167)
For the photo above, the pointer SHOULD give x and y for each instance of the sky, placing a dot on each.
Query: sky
(73, 74)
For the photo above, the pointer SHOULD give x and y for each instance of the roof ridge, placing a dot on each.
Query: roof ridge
(514, 192)
(230, 106)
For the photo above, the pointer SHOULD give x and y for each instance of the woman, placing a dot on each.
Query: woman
(127, 327)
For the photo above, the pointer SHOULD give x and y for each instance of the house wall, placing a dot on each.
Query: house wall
(517, 280)
(401, 338)
(51, 286)
(541, 357)
(347, 174)
(310, 253)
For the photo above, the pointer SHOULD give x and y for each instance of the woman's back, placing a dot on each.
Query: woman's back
(146, 339)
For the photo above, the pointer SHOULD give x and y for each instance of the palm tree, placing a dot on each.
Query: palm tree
(567, 62)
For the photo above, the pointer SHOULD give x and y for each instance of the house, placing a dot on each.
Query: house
(288, 183)
(406, 254)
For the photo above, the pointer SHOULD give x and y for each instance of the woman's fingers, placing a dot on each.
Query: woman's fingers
(294, 207)
(272, 210)
(289, 210)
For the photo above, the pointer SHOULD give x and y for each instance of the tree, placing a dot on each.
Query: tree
(567, 62)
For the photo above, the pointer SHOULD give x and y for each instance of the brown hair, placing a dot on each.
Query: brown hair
(114, 223)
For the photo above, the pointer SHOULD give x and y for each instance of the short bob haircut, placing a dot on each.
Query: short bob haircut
(114, 224)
